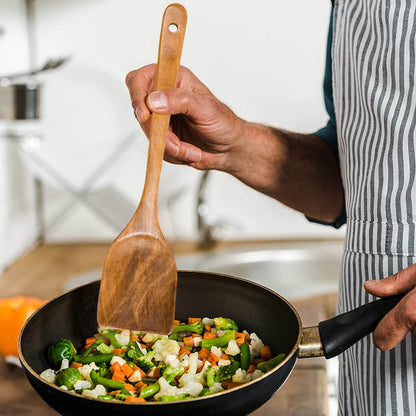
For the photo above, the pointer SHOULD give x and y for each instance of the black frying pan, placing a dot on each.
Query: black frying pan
(255, 308)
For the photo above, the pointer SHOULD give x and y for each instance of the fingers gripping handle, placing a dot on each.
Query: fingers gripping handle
(170, 49)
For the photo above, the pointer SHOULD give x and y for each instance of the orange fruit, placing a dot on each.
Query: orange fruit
(13, 314)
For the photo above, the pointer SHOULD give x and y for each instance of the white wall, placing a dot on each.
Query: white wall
(265, 59)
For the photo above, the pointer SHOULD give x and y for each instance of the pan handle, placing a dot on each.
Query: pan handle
(333, 336)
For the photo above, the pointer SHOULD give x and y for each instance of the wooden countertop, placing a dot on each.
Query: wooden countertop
(43, 272)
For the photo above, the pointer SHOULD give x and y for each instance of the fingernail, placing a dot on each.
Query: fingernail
(194, 155)
(172, 148)
(371, 282)
(158, 100)
(138, 114)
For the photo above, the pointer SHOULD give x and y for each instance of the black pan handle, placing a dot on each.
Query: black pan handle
(342, 331)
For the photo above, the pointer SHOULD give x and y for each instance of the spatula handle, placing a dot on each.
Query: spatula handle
(170, 50)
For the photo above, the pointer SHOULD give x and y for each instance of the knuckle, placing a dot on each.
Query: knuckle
(129, 77)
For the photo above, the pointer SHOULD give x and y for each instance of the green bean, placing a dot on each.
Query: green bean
(149, 391)
(244, 356)
(91, 347)
(97, 359)
(106, 382)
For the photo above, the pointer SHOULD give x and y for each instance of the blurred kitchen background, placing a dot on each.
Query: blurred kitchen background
(76, 173)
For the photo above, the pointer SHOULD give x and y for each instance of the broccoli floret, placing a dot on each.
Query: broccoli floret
(145, 362)
(273, 362)
(225, 372)
(210, 375)
(170, 373)
(196, 328)
(225, 324)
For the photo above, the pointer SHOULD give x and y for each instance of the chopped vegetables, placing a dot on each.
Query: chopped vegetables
(199, 358)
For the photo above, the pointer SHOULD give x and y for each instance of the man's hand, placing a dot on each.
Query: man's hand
(203, 130)
(401, 320)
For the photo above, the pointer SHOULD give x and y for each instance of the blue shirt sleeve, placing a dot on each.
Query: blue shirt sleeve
(329, 133)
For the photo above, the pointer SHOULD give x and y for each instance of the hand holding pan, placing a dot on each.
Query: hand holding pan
(260, 310)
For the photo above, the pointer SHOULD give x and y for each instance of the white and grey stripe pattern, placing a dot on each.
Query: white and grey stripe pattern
(373, 56)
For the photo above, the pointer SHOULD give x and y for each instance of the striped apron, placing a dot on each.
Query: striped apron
(373, 55)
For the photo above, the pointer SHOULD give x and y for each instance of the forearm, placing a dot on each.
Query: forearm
(299, 170)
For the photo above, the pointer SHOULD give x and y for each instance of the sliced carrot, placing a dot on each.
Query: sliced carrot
(189, 341)
(251, 368)
(184, 350)
(118, 376)
(193, 320)
(201, 366)
(207, 327)
(266, 353)
(118, 351)
(240, 341)
(176, 322)
(134, 337)
(127, 370)
(76, 365)
(115, 367)
(225, 357)
(203, 353)
(209, 335)
(154, 372)
(129, 387)
(114, 392)
(131, 399)
(142, 373)
(214, 357)
(90, 340)
(140, 385)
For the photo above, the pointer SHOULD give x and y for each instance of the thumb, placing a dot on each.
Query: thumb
(179, 101)
(400, 282)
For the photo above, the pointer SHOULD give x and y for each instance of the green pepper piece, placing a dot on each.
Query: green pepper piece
(149, 391)
(97, 359)
(245, 356)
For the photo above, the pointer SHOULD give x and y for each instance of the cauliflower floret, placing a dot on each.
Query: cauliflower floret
(220, 332)
(165, 347)
(241, 376)
(93, 394)
(166, 389)
(255, 374)
(123, 337)
(63, 387)
(193, 388)
(149, 338)
(189, 376)
(232, 348)
(217, 387)
(172, 360)
(197, 341)
(184, 360)
(135, 377)
(117, 359)
(82, 385)
(48, 375)
(216, 351)
(208, 321)
(256, 345)
(199, 376)
(222, 362)
(64, 364)
(85, 371)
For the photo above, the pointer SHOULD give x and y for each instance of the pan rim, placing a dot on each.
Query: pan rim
(294, 350)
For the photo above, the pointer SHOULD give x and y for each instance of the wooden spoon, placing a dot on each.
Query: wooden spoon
(138, 286)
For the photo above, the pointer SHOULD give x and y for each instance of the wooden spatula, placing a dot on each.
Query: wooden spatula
(138, 287)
